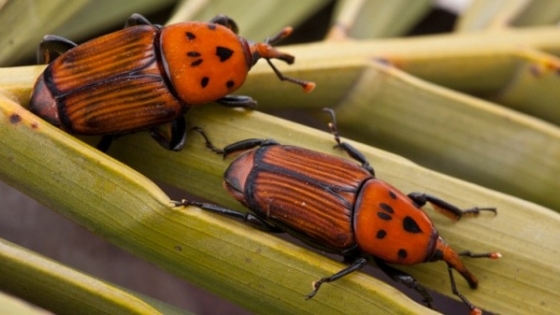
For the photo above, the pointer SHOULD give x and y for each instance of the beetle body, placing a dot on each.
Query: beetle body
(145, 75)
(332, 203)
(338, 206)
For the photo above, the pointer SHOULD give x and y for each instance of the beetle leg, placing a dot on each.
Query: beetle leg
(207, 141)
(247, 144)
(53, 43)
(237, 101)
(226, 21)
(350, 150)
(474, 309)
(445, 207)
(105, 143)
(355, 266)
(178, 135)
(406, 279)
(247, 217)
(239, 146)
(136, 19)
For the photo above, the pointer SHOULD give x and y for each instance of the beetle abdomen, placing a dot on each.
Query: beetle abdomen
(118, 107)
(116, 54)
(109, 85)
(305, 192)
(42, 102)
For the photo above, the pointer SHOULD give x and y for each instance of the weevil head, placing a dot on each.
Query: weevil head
(255, 51)
(443, 252)
(207, 61)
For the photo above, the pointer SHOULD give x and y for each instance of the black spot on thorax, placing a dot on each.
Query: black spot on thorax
(224, 53)
(195, 54)
(196, 63)
(204, 82)
(410, 225)
(386, 207)
(384, 216)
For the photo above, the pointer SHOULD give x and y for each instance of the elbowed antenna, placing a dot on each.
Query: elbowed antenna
(267, 52)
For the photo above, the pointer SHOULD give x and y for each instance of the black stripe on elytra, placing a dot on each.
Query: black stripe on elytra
(260, 166)
(410, 225)
(386, 207)
(392, 195)
(48, 79)
(224, 53)
(57, 95)
(193, 54)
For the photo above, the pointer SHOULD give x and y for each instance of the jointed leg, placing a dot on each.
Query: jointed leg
(136, 19)
(178, 135)
(105, 143)
(239, 146)
(237, 101)
(356, 265)
(53, 43)
(226, 21)
(445, 207)
(474, 310)
(406, 279)
(350, 150)
(247, 217)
